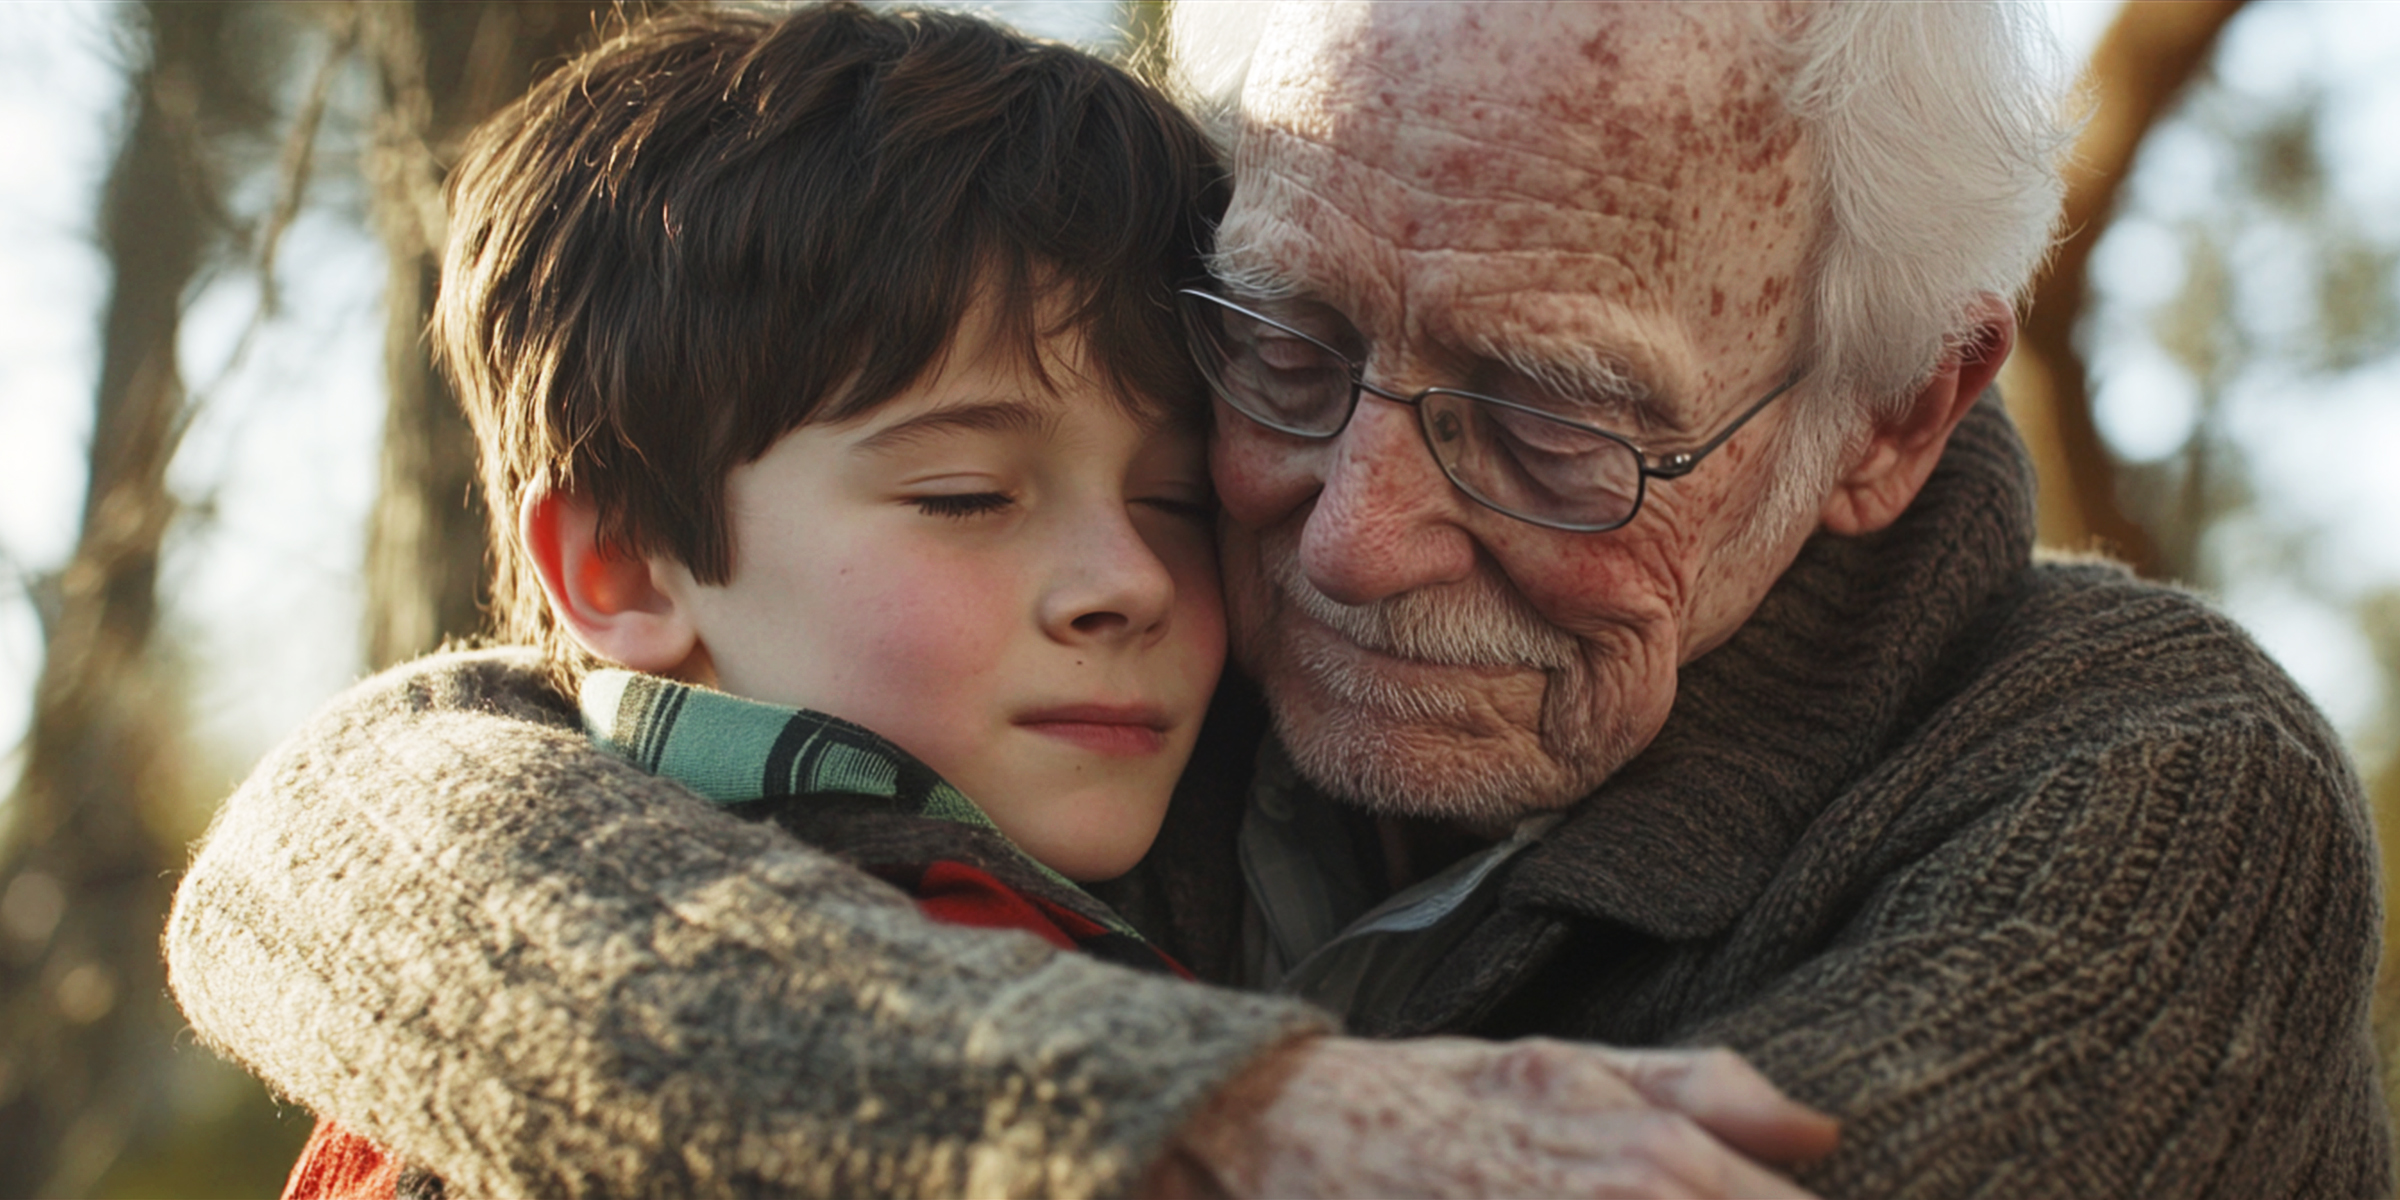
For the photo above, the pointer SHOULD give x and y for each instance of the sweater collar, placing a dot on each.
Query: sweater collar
(1844, 653)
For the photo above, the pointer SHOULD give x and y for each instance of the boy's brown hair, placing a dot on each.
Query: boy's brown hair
(719, 225)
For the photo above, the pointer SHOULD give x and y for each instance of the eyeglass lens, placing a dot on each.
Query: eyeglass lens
(1505, 456)
(1276, 376)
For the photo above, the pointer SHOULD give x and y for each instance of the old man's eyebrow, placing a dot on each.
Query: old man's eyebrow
(1242, 272)
(1014, 415)
(1608, 387)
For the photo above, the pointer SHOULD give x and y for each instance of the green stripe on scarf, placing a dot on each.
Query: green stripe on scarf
(732, 750)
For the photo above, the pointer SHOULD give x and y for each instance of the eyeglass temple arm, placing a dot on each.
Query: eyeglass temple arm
(1676, 466)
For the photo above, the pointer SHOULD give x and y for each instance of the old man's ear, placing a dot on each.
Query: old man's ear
(610, 601)
(1902, 449)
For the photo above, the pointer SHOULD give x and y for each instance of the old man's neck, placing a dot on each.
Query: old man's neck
(1417, 848)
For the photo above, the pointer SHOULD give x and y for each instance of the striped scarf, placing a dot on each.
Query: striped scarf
(845, 789)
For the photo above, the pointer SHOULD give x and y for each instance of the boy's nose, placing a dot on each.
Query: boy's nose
(1109, 585)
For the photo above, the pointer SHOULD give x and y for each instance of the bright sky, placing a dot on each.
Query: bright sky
(264, 587)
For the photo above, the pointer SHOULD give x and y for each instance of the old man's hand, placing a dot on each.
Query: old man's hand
(1454, 1117)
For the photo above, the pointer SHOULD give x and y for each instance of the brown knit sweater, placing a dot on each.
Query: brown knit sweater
(2047, 882)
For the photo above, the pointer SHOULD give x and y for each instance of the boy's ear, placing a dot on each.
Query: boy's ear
(1903, 448)
(608, 600)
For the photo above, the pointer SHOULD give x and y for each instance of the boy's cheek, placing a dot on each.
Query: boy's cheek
(915, 610)
(1201, 628)
(866, 638)
(903, 645)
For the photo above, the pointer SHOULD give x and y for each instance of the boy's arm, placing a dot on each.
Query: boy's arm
(439, 917)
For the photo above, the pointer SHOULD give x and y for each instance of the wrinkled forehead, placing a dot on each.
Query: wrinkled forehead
(1641, 88)
(1424, 158)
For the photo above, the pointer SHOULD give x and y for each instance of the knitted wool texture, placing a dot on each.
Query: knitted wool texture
(2043, 880)
(440, 917)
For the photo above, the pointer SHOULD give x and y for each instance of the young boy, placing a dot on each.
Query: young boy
(842, 448)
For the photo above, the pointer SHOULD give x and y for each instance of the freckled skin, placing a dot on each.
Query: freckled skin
(1543, 179)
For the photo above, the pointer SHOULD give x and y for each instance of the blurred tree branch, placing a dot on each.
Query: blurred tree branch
(442, 68)
(294, 167)
(84, 1031)
(2142, 64)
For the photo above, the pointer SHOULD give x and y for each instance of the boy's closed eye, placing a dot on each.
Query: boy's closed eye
(963, 505)
(1200, 508)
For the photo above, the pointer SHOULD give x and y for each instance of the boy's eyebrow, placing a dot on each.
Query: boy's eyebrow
(979, 416)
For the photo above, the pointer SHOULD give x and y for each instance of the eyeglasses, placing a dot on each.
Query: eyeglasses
(1506, 455)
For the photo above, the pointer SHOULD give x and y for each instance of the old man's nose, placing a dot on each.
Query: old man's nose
(1385, 520)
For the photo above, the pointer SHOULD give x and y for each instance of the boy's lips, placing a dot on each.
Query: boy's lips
(1129, 730)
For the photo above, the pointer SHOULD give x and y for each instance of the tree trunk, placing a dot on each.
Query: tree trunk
(444, 67)
(2149, 53)
(83, 876)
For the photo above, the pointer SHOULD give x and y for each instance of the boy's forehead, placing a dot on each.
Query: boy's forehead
(1013, 365)
(945, 404)
(914, 419)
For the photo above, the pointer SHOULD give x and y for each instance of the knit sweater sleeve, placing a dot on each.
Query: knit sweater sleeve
(437, 916)
(2143, 975)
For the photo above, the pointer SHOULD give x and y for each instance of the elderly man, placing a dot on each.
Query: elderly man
(1645, 607)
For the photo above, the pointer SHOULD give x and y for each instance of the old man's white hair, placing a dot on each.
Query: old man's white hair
(1938, 127)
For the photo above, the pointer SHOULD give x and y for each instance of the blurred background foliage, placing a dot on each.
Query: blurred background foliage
(2207, 375)
(2210, 373)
